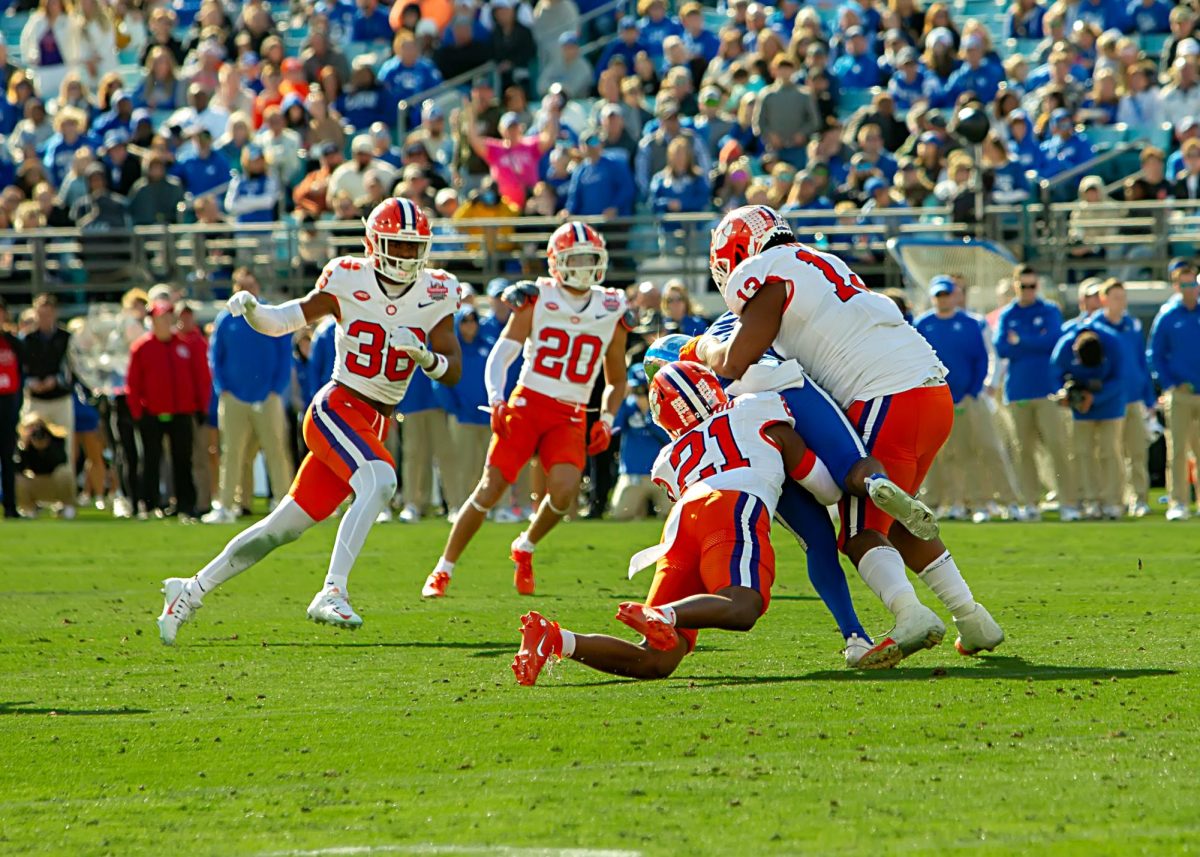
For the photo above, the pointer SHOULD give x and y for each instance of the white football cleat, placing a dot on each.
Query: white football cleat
(506, 516)
(917, 627)
(435, 585)
(977, 632)
(1069, 515)
(332, 607)
(863, 655)
(1177, 513)
(219, 515)
(983, 516)
(385, 516)
(912, 514)
(410, 514)
(1139, 510)
(178, 606)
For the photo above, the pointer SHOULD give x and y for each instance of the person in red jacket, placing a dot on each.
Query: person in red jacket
(168, 386)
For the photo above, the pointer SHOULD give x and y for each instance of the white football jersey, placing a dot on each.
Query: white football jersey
(728, 451)
(566, 345)
(364, 361)
(852, 341)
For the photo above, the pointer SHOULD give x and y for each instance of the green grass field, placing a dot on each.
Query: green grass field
(261, 733)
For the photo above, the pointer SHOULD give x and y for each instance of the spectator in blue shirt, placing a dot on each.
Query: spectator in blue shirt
(974, 75)
(1022, 143)
(600, 185)
(370, 23)
(641, 441)
(1174, 356)
(408, 73)
(1140, 397)
(252, 374)
(856, 68)
(701, 42)
(205, 170)
(321, 356)
(253, 195)
(627, 45)
(119, 115)
(468, 428)
(958, 341)
(680, 187)
(1105, 14)
(340, 15)
(1148, 17)
(366, 101)
(870, 145)
(679, 313)
(655, 25)
(1088, 363)
(911, 82)
(1026, 333)
(60, 149)
(1024, 20)
(1066, 148)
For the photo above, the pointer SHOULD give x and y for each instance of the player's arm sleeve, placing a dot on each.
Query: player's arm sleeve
(495, 371)
(278, 320)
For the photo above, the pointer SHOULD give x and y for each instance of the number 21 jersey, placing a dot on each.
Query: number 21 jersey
(852, 341)
(566, 346)
(364, 361)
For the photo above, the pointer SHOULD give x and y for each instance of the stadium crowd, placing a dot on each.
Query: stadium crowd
(120, 114)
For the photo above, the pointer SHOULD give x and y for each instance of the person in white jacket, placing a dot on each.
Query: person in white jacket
(94, 41)
(47, 46)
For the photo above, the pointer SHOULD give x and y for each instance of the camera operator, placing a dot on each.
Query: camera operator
(44, 477)
(1089, 365)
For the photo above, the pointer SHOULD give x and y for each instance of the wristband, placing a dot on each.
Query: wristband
(607, 418)
(439, 367)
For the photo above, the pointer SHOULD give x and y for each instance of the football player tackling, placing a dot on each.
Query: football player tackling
(809, 306)
(393, 317)
(569, 325)
(725, 467)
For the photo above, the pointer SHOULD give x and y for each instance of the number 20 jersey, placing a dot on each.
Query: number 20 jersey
(852, 341)
(729, 451)
(364, 361)
(566, 346)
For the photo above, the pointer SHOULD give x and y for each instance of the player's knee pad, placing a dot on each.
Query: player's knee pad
(375, 479)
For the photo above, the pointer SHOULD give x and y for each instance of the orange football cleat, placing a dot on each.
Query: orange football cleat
(650, 623)
(541, 640)
(435, 585)
(523, 574)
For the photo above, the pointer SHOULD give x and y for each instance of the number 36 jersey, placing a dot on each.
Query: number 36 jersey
(566, 345)
(364, 361)
(853, 342)
(729, 451)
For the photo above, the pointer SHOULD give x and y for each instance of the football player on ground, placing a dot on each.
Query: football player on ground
(569, 325)
(393, 317)
(825, 430)
(809, 306)
(714, 567)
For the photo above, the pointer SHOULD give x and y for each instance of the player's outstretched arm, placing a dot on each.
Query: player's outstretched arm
(285, 318)
(802, 464)
(760, 320)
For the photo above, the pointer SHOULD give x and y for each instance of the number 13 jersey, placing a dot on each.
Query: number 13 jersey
(566, 346)
(853, 342)
(364, 361)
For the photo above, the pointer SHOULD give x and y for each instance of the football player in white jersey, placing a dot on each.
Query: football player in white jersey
(570, 327)
(393, 316)
(809, 306)
(714, 566)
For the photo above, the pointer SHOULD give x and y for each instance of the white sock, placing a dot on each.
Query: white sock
(946, 582)
(373, 484)
(668, 613)
(445, 565)
(568, 642)
(882, 569)
(283, 525)
(522, 543)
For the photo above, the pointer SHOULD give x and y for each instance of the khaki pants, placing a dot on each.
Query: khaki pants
(1098, 457)
(425, 445)
(630, 497)
(1135, 444)
(56, 487)
(60, 412)
(1183, 432)
(468, 448)
(996, 477)
(948, 474)
(264, 423)
(1039, 422)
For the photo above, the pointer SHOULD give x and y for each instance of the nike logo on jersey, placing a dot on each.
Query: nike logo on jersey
(423, 305)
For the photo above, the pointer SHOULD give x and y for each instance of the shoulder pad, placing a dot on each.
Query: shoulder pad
(629, 318)
(336, 266)
(522, 293)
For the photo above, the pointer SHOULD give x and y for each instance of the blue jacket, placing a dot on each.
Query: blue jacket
(402, 81)
(905, 94)
(253, 199)
(203, 175)
(58, 157)
(618, 48)
(706, 45)
(373, 28)
(855, 72)
(321, 357)
(1038, 327)
(653, 33)
(1028, 26)
(463, 400)
(1007, 181)
(109, 121)
(983, 81)
(1155, 18)
(1138, 386)
(1106, 14)
(1174, 352)
(363, 108)
(419, 396)
(641, 439)
(1027, 152)
(1108, 403)
(692, 193)
(958, 341)
(1059, 155)
(608, 183)
(247, 364)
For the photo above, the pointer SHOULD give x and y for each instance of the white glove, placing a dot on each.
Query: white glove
(403, 339)
(242, 303)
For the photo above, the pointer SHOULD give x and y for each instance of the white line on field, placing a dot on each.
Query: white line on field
(487, 850)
